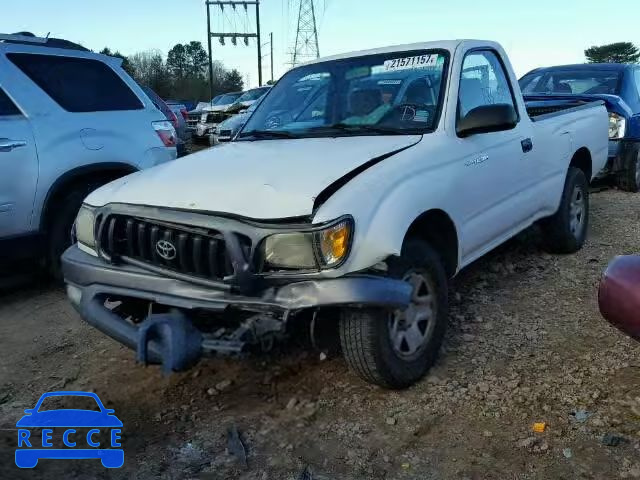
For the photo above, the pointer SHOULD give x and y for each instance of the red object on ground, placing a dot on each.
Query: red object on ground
(619, 294)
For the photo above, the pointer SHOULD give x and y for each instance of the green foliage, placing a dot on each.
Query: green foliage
(621, 52)
(184, 75)
(126, 64)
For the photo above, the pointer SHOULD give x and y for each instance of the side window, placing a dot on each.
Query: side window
(7, 107)
(77, 84)
(483, 82)
(636, 74)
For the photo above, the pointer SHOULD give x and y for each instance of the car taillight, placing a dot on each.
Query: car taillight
(174, 120)
(166, 132)
(184, 113)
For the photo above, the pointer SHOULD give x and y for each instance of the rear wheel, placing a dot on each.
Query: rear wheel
(395, 349)
(566, 230)
(629, 178)
(59, 229)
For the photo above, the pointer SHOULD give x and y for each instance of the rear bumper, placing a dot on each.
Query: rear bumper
(621, 153)
(90, 280)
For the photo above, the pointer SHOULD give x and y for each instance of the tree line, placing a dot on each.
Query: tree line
(619, 52)
(182, 75)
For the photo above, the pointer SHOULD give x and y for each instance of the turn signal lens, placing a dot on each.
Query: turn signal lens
(334, 243)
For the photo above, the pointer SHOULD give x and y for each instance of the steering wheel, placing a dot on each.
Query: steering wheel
(409, 112)
(277, 120)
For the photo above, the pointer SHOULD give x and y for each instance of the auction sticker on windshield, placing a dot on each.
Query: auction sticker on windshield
(407, 63)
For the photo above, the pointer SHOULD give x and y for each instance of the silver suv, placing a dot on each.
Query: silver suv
(70, 121)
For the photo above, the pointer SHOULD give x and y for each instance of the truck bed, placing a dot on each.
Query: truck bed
(539, 109)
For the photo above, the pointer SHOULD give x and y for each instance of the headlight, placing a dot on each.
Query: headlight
(85, 226)
(617, 126)
(322, 248)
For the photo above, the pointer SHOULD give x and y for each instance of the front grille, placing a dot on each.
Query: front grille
(191, 251)
(225, 133)
(193, 119)
(216, 118)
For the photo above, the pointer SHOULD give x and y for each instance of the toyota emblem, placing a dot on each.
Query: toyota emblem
(166, 249)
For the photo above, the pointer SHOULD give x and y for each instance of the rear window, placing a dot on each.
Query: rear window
(77, 84)
(7, 107)
(579, 82)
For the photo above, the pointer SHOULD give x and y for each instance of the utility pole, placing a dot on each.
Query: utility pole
(306, 46)
(210, 57)
(271, 43)
(233, 35)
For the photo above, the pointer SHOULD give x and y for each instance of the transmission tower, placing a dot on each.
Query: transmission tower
(306, 47)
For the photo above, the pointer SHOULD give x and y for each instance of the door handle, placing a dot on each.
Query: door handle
(527, 145)
(7, 145)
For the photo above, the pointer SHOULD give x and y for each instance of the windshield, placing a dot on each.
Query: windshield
(384, 94)
(226, 99)
(254, 94)
(583, 82)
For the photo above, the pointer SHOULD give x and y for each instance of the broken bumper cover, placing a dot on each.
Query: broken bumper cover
(90, 280)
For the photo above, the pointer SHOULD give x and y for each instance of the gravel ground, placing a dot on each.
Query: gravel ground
(526, 345)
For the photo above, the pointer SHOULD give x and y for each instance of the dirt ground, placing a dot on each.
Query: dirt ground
(526, 344)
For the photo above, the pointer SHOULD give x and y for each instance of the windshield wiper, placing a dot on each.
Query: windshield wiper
(345, 127)
(267, 134)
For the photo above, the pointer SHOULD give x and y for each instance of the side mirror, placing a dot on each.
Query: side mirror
(487, 118)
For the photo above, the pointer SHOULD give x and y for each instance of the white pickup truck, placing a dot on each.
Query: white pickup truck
(356, 189)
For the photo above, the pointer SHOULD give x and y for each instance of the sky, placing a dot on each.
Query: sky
(534, 33)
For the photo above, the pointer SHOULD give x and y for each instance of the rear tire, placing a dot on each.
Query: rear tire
(59, 230)
(566, 230)
(629, 179)
(396, 349)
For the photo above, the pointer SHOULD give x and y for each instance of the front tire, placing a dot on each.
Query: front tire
(396, 349)
(566, 230)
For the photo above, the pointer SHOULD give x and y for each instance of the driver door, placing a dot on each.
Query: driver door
(496, 168)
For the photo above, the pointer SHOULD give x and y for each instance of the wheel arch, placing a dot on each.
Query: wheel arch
(437, 228)
(582, 159)
(84, 175)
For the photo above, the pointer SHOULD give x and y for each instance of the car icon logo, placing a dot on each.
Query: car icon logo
(166, 249)
(33, 446)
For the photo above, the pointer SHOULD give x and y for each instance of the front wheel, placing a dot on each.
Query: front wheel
(395, 349)
(566, 230)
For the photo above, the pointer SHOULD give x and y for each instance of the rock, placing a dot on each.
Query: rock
(291, 403)
(527, 442)
(212, 391)
(567, 453)
(468, 337)
(612, 440)
(391, 421)
(323, 356)
(483, 387)
(487, 434)
(223, 385)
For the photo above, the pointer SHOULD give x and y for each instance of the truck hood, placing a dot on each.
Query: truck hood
(268, 179)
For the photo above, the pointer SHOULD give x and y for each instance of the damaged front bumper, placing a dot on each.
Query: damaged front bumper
(170, 338)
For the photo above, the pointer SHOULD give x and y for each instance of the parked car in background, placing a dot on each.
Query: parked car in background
(346, 211)
(618, 85)
(218, 104)
(619, 294)
(247, 99)
(227, 130)
(185, 134)
(175, 117)
(72, 120)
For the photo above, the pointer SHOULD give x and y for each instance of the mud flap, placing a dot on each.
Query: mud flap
(179, 342)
